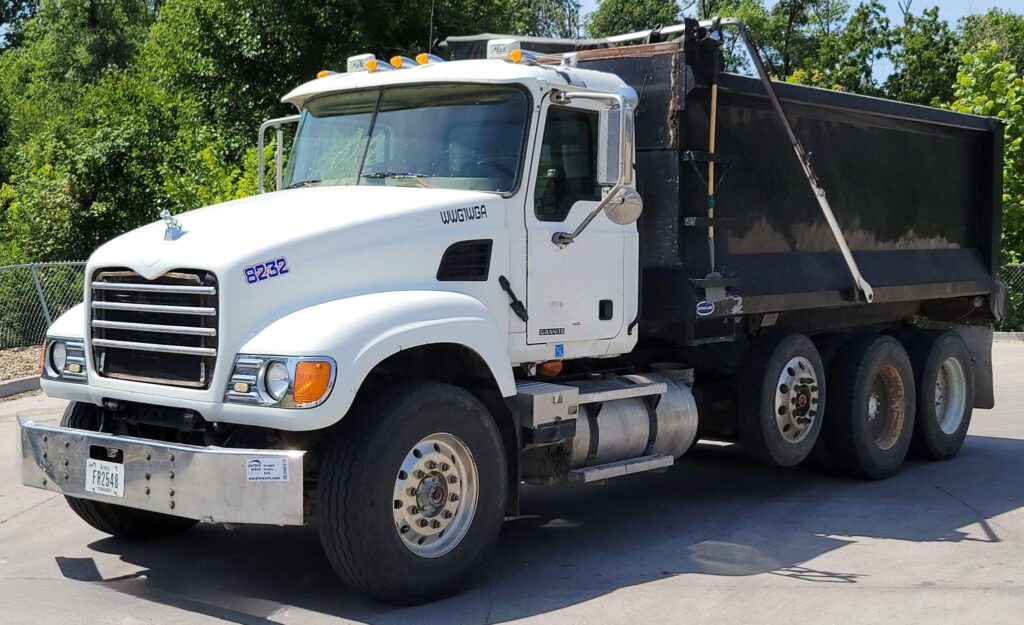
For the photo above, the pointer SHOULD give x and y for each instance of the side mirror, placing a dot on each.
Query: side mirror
(615, 147)
(625, 207)
(278, 125)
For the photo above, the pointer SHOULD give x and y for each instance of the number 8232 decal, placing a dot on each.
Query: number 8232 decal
(266, 270)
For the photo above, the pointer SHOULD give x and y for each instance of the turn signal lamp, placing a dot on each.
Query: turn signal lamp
(550, 368)
(312, 380)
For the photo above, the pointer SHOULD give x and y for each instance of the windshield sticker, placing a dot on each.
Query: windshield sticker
(266, 270)
(459, 215)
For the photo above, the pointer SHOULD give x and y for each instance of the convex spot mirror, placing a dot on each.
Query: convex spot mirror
(625, 207)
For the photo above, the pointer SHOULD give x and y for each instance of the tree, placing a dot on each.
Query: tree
(987, 84)
(846, 57)
(549, 18)
(925, 60)
(1003, 28)
(614, 17)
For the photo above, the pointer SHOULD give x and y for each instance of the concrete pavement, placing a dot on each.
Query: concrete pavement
(717, 539)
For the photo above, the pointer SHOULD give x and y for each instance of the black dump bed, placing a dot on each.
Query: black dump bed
(916, 191)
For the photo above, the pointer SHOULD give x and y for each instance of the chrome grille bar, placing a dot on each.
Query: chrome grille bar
(153, 327)
(156, 308)
(154, 288)
(156, 347)
(162, 330)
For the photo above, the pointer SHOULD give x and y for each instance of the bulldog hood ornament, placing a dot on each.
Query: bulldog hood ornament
(174, 229)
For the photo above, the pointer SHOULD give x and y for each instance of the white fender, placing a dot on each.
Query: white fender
(361, 331)
(70, 325)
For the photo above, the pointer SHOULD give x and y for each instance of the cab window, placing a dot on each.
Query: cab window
(568, 163)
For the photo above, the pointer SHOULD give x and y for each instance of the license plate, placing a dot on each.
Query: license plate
(104, 478)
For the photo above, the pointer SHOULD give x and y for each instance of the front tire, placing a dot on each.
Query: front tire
(412, 492)
(112, 519)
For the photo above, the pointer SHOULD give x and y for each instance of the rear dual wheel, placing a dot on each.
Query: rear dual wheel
(945, 392)
(869, 421)
(781, 402)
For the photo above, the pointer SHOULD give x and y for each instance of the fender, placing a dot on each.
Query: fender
(70, 325)
(361, 331)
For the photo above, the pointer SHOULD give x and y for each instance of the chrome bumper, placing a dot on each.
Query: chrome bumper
(212, 484)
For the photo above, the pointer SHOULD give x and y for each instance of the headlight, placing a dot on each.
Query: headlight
(64, 359)
(281, 381)
(276, 380)
(58, 355)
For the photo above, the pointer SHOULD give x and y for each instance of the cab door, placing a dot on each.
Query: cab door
(574, 293)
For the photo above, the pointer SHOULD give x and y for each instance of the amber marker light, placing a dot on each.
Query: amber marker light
(312, 381)
(515, 55)
(550, 368)
(323, 73)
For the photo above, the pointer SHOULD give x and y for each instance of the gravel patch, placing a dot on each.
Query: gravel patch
(19, 362)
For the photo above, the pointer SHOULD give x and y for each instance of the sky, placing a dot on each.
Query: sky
(951, 10)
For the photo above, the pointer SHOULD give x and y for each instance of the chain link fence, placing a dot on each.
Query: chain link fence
(32, 296)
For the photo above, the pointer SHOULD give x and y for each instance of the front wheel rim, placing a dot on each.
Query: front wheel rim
(435, 496)
(950, 395)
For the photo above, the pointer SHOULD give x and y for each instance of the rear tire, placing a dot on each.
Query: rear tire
(110, 518)
(870, 416)
(781, 401)
(945, 393)
(829, 345)
(393, 523)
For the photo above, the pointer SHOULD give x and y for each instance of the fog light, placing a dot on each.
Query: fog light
(276, 380)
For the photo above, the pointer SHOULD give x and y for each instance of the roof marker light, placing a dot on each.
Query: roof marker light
(400, 62)
(324, 73)
(365, 62)
(502, 49)
(426, 58)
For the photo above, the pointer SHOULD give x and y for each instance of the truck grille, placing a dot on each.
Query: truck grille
(162, 331)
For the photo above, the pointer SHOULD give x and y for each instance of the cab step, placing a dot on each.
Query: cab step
(628, 466)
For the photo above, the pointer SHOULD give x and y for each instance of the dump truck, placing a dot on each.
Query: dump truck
(538, 261)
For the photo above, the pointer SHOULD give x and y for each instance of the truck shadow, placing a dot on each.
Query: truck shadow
(714, 513)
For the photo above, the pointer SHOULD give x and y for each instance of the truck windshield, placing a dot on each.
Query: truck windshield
(447, 136)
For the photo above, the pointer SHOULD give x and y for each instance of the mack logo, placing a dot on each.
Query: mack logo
(467, 213)
(551, 331)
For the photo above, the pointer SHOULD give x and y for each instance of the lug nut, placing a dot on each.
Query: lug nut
(445, 466)
(148, 455)
(172, 505)
(172, 457)
(147, 490)
(453, 497)
(65, 476)
(419, 474)
(448, 514)
(148, 476)
(431, 465)
(414, 510)
(44, 481)
(66, 462)
(67, 444)
(452, 479)
(45, 438)
(435, 524)
(170, 492)
(411, 491)
(423, 523)
(171, 474)
(44, 455)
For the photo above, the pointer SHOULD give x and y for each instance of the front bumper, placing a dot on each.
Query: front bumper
(211, 484)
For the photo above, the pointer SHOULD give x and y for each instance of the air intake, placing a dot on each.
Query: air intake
(466, 261)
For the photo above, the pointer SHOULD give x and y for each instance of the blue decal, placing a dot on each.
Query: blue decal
(559, 350)
(705, 308)
(266, 270)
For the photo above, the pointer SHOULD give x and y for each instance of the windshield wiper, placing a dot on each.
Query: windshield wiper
(303, 183)
(419, 178)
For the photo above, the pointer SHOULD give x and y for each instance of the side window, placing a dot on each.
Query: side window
(568, 163)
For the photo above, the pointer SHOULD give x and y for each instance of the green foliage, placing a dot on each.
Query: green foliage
(987, 85)
(925, 60)
(1002, 28)
(615, 17)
